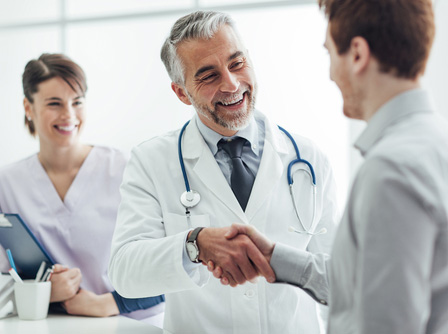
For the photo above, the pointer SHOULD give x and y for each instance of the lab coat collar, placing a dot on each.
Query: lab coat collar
(397, 109)
(197, 153)
(271, 166)
(206, 168)
(192, 137)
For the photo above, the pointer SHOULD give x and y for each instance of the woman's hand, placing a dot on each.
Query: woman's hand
(90, 304)
(64, 283)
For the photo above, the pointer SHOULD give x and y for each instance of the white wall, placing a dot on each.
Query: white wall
(437, 71)
(129, 97)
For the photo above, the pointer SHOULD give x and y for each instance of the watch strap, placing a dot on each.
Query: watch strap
(193, 236)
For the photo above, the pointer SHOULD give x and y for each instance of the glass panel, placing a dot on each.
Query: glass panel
(25, 11)
(86, 8)
(292, 67)
(130, 97)
(22, 45)
(210, 3)
(436, 70)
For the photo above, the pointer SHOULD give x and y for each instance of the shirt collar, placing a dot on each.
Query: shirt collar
(405, 104)
(250, 133)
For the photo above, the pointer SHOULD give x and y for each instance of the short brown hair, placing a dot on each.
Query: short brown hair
(400, 33)
(46, 67)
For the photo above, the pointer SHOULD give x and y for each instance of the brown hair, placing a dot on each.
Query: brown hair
(46, 67)
(400, 33)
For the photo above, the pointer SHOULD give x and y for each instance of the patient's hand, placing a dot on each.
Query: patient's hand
(90, 304)
(264, 245)
(64, 283)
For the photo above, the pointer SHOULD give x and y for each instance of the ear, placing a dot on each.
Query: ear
(180, 92)
(360, 55)
(27, 106)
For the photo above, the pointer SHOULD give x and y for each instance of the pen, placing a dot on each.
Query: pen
(40, 272)
(11, 260)
(47, 275)
(15, 276)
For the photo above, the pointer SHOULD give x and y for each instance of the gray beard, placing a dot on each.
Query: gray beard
(239, 122)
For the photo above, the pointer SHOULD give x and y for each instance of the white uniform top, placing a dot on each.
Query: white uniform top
(151, 231)
(76, 232)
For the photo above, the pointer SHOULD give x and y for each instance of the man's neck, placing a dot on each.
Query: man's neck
(382, 90)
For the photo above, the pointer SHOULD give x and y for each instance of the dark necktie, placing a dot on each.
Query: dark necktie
(242, 179)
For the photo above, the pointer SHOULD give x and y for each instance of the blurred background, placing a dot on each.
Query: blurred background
(129, 99)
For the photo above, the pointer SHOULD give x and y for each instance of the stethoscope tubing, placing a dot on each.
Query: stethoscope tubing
(289, 178)
(181, 160)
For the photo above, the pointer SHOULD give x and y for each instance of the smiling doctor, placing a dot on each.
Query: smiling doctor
(182, 190)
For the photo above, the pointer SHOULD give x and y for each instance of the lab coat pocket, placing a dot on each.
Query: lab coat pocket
(175, 223)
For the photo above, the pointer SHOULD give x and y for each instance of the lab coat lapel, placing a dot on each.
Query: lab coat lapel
(200, 159)
(270, 170)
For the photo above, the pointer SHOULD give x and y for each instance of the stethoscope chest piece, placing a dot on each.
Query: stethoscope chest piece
(190, 198)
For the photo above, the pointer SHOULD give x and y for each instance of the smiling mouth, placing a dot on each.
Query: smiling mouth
(66, 128)
(232, 103)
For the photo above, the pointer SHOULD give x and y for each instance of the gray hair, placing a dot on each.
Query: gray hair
(197, 25)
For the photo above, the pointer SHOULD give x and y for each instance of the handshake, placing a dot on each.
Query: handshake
(236, 254)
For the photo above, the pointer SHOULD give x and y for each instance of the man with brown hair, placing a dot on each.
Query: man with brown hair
(388, 271)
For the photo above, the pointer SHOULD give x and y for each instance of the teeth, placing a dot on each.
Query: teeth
(67, 128)
(229, 103)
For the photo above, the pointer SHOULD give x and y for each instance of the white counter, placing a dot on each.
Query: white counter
(67, 324)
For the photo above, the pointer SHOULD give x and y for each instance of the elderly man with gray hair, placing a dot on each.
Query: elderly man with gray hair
(237, 165)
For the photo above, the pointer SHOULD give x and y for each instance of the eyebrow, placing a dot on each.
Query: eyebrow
(59, 99)
(211, 67)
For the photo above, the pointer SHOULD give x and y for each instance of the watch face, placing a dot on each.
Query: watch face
(192, 251)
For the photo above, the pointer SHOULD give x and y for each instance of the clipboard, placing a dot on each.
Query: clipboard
(27, 251)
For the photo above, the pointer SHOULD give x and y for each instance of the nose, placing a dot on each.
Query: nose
(68, 111)
(229, 82)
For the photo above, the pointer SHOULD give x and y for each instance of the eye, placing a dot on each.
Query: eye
(53, 104)
(238, 64)
(209, 77)
(77, 103)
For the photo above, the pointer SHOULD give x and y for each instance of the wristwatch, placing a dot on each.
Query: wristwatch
(192, 247)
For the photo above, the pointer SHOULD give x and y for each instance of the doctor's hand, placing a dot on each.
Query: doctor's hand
(90, 304)
(64, 283)
(265, 246)
(238, 257)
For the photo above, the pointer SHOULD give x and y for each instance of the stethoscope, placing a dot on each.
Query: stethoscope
(190, 198)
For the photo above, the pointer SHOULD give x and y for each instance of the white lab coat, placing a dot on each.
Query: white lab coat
(151, 230)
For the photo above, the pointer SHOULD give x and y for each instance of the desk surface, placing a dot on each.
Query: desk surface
(67, 324)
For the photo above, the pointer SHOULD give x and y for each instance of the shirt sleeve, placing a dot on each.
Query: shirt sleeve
(301, 268)
(127, 305)
(395, 235)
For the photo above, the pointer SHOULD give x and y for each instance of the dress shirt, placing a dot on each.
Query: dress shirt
(389, 267)
(389, 264)
(252, 151)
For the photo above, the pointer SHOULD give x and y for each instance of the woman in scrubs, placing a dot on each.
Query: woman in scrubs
(68, 193)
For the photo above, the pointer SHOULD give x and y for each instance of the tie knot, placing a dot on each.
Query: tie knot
(234, 147)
